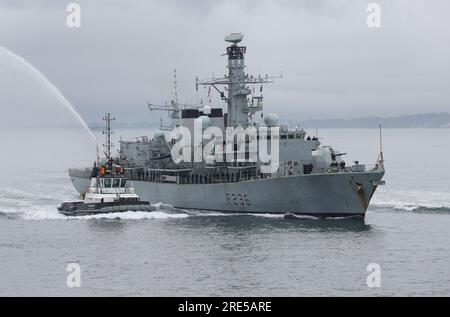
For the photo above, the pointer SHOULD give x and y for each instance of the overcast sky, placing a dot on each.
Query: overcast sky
(334, 66)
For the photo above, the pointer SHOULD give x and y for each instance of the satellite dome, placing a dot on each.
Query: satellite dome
(271, 120)
(159, 135)
(205, 121)
(206, 109)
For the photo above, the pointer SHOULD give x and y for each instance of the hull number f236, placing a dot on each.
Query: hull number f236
(237, 199)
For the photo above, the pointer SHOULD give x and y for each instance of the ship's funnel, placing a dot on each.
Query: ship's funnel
(234, 38)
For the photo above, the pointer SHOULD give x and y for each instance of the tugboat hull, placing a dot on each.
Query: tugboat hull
(84, 209)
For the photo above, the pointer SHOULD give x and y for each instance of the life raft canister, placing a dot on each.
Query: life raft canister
(119, 170)
(290, 165)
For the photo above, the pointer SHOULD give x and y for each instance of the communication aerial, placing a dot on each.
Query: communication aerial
(174, 107)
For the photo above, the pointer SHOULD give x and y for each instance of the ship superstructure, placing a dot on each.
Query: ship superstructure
(309, 178)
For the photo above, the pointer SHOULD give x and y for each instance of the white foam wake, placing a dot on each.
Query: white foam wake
(135, 215)
(50, 213)
(39, 204)
(410, 200)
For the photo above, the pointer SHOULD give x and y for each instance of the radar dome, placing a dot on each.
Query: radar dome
(159, 135)
(206, 110)
(205, 121)
(271, 120)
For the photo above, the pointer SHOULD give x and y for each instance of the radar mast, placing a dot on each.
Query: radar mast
(238, 82)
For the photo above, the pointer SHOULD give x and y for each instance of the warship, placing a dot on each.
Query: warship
(309, 178)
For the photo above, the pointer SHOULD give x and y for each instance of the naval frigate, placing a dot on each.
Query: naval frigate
(310, 179)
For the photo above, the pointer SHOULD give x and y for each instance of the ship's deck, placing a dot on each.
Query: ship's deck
(189, 176)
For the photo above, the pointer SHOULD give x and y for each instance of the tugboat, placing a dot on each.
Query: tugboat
(109, 191)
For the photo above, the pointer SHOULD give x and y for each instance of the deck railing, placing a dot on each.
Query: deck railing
(360, 168)
(161, 177)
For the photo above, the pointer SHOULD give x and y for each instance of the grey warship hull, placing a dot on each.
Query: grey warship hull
(321, 195)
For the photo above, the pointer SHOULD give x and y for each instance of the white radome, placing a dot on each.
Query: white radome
(205, 121)
(206, 110)
(159, 135)
(271, 120)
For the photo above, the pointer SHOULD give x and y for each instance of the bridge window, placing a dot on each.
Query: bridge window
(116, 183)
(107, 182)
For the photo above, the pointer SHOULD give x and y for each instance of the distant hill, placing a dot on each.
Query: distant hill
(426, 120)
(125, 125)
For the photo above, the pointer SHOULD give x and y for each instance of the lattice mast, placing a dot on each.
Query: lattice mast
(239, 106)
(173, 108)
(107, 132)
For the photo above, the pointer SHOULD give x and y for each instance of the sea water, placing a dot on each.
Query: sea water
(179, 252)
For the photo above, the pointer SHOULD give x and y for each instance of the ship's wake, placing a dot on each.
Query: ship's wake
(50, 213)
(412, 201)
(411, 208)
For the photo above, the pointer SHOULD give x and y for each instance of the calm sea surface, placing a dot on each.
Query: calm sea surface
(177, 252)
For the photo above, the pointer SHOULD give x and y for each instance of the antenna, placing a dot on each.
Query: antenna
(107, 118)
(381, 156)
(175, 86)
(98, 154)
(234, 38)
(173, 108)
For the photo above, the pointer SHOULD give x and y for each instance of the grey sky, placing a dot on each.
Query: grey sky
(333, 64)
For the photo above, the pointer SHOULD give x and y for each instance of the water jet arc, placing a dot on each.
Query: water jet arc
(5, 53)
